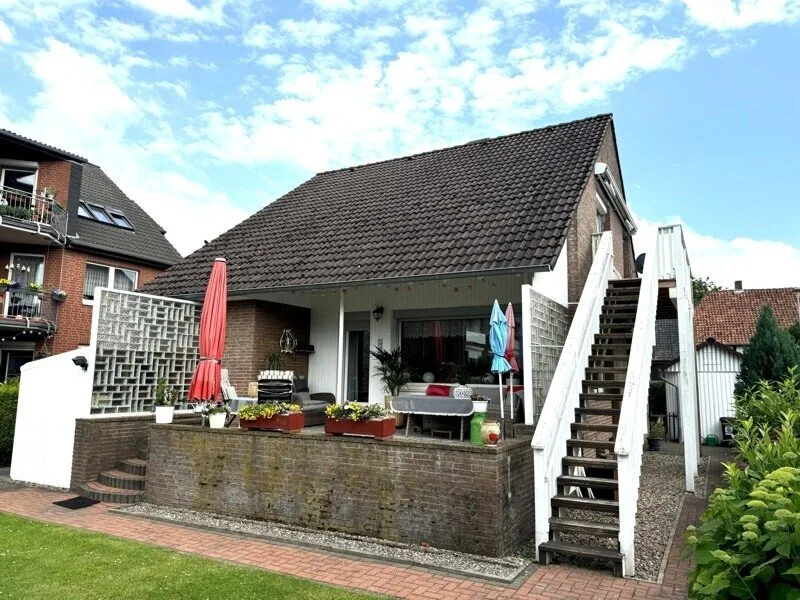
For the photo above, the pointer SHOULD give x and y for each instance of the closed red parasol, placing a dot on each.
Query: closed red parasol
(206, 381)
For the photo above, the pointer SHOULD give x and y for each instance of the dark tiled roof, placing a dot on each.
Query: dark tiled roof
(730, 317)
(26, 141)
(145, 243)
(499, 203)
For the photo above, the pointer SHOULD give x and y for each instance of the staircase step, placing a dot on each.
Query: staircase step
(591, 410)
(587, 482)
(103, 493)
(623, 297)
(121, 479)
(596, 444)
(581, 551)
(612, 327)
(607, 506)
(621, 308)
(601, 396)
(607, 369)
(624, 283)
(604, 427)
(607, 384)
(584, 527)
(596, 347)
(134, 466)
(614, 336)
(586, 461)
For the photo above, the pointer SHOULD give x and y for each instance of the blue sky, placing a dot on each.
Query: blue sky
(205, 111)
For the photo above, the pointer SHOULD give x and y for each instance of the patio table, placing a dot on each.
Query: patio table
(433, 405)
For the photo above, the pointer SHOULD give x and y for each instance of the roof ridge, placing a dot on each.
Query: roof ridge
(597, 117)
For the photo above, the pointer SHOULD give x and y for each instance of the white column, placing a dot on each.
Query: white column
(525, 351)
(340, 352)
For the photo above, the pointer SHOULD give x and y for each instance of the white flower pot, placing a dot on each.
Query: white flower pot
(217, 420)
(164, 414)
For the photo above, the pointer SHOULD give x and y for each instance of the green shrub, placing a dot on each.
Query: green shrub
(767, 402)
(9, 391)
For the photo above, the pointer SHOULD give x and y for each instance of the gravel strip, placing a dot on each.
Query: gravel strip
(496, 569)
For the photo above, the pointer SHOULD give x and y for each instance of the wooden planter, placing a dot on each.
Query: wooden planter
(291, 423)
(380, 430)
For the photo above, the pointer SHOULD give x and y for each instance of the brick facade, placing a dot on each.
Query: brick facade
(55, 175)
(254, 331)
(101, 443)
(452, 496)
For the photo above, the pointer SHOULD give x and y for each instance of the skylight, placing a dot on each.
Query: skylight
(104, 214)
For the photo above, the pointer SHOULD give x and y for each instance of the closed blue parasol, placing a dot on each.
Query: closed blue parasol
(498, 338)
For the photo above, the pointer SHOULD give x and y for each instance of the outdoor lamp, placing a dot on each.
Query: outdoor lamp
(377, 313)
(80, 361)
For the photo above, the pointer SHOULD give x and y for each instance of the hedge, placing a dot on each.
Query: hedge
(8, 416)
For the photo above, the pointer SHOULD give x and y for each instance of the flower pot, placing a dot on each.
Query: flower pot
(479, 406)
(3, 289)
(654, 444)
(217, 420)
(164, 414)
(378, 428)
(58, 297)
(291, 423)
(490, 432)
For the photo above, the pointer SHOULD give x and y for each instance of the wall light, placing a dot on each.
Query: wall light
(377, 313)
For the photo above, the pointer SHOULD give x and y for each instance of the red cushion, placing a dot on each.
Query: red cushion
(438, 390)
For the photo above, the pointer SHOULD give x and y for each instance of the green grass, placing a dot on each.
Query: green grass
(42, 561)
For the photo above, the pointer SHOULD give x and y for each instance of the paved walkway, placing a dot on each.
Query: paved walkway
(552, 582)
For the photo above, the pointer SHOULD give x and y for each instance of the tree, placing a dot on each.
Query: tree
(701, 287)
(794, 331)
(769, 355)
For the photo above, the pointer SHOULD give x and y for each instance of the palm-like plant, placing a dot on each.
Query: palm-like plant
(392, 369)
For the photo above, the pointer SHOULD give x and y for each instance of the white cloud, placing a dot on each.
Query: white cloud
(739, 14)
(6, 35)
(309, 33)
(260, 35)
(758, 263)
(183, 9)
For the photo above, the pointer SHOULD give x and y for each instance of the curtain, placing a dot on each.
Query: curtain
(124, 280)
(96, 276)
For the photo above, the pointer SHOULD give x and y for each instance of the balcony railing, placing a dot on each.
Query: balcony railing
(34, 208)
(33, 308)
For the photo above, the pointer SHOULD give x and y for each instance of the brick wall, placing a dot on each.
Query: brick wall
(55, 174)
(450, 496)
(101, 443)
(254, 331)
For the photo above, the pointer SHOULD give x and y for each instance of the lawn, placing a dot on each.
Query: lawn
(42, 561)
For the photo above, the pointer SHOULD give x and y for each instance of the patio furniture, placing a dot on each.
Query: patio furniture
(433, 405)
(235, 402)
(313, 405)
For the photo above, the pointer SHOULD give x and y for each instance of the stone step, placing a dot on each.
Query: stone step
(586, 461)
(122, 480)
(547, 549)
(606, 506)
(134, 466)
(596, 444)
(604, 427)
(103, 493)
(610, 530)
(587, 482)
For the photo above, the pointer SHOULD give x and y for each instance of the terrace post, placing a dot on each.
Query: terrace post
(340, 352)
(527, 361)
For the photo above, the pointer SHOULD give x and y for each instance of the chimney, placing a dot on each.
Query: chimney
(737, 286)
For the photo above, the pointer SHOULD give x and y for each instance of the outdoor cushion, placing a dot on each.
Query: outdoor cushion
(438, 390)
(301, 384)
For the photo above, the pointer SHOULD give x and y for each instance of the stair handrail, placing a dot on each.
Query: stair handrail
(549, 441)
(632, 426)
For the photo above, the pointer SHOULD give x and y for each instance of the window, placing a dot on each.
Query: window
(104, 214)
(120, 220)
(600, 222)
(448, 348)
(99, 213)
(21, 180)
(83, 211)
(103, 276)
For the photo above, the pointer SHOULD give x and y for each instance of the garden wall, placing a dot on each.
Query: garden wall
(453, 496)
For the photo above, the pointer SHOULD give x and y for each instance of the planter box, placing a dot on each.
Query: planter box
(58, 297)
(291, 423)
(378, 429)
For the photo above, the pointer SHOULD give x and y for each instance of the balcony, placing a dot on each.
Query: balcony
(27, 310)
(30, 215)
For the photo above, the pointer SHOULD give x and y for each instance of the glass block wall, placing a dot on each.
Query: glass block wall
(139, 339)
(549, 326)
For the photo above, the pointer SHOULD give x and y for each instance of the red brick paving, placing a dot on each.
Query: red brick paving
(545, 583)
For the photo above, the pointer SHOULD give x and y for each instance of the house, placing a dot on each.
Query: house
(724, 323)
(413, 251)
(64, 225)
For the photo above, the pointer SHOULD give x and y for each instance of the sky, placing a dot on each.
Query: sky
(205, 111)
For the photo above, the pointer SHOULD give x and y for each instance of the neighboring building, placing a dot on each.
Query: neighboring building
(724, 323)
(64, 225)
(431, 238)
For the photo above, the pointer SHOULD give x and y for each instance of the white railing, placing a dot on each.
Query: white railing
(549, 442)
(36, 208)
(633, 424)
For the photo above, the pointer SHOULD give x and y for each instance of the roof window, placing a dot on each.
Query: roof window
(104, 214)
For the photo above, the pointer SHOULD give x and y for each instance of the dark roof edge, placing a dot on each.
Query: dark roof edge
(347, 284)
(610, 116)
(118, 255)
(42, 147)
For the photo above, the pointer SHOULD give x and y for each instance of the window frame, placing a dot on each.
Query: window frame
(96, 209)
(111, 274)
(118, 214)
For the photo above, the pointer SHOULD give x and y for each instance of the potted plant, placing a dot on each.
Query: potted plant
(4, 285)
(657, 434)
(392, 370)
(273, 416)
(164, 402)
(217, 413)
(58, 295)
(35, 288)
(275, 362)
(354, 418)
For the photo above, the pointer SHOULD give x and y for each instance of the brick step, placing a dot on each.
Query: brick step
(547, 549)
(121, 479)
(585, 461)
(587, 482)
(606, 506)
(603, 427)
(103, 493)
(134, 466)
(610, 530)
(596, 444)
